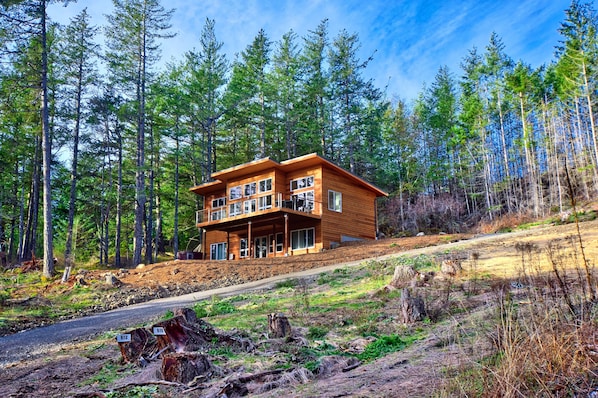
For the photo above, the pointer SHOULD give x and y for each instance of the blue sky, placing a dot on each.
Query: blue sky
(410, 40)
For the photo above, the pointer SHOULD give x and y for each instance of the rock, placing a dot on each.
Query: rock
(79, 280)
(175, 271)
(112, 280)
(420, 234)
(140, 266)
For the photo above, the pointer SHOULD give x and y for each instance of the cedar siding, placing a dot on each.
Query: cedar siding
(265, 208)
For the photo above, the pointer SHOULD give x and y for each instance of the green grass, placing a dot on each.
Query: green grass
(385, 345)
(110, 372)
(134, 392)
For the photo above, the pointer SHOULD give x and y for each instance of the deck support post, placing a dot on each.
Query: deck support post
(286, 234)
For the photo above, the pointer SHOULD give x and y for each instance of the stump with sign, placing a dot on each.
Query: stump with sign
(137, 346)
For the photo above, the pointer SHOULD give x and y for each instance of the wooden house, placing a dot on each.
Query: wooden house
(265, 208)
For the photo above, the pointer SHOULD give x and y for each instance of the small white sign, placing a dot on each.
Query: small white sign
(123, 338)
(159, 331)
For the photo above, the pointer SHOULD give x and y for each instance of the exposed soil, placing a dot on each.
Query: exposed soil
(417, 371)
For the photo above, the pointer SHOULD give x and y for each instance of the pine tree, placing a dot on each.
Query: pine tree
(78, 57)
(132, 37)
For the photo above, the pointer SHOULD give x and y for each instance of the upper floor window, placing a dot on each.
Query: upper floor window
(266, 185)
(235, 193)
(249, 189)
(218, 202)
(303, 201)
(265, 202)
(219, 214)
(249, 206)
(235, 209)
(335, 201)
(303, 182)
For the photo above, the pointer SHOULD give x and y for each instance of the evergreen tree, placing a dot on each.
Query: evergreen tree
(132, 38)
(78, 59)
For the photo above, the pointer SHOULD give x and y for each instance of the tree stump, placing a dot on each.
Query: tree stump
(451, 267)
(402, 276)
(141, 345)
(184, 333)
(278, 325)
(184, 367)
(412, 308)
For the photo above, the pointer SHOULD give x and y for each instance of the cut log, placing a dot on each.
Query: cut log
(412, 308)
(184, 367)
(141, 347)
(278, 325)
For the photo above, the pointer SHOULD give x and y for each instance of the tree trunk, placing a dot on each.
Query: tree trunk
(119, 207)
(68, 249)
(48, 270)
(175, 233)
(140, 196)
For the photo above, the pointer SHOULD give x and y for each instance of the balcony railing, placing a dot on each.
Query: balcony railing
(251, 206)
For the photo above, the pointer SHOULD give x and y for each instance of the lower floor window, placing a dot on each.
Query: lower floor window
(244, 249)
(302, 238)
(276, 245)
(218, 251)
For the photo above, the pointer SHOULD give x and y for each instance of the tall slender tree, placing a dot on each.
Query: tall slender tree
(78, 58)
(133, 35)
(28, 20)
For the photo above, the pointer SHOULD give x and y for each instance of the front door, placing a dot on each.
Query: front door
(261, 247)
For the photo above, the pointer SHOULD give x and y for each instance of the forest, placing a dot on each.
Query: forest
(100, 141)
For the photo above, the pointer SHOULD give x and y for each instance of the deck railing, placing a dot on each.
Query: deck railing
(251, 206)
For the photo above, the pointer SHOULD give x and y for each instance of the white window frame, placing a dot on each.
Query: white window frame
(235, 209)
(244, 248)
(279, 236)
(304, 234)
(249, 189)
(235, 192)
(302, 183)
(218, 248)
(308, 200)
(218, 202)
(265, 185)
(219, 214)
(264, 202)
(335, 201)
(250, 206)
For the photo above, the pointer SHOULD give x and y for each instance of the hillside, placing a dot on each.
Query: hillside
(342, 311)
